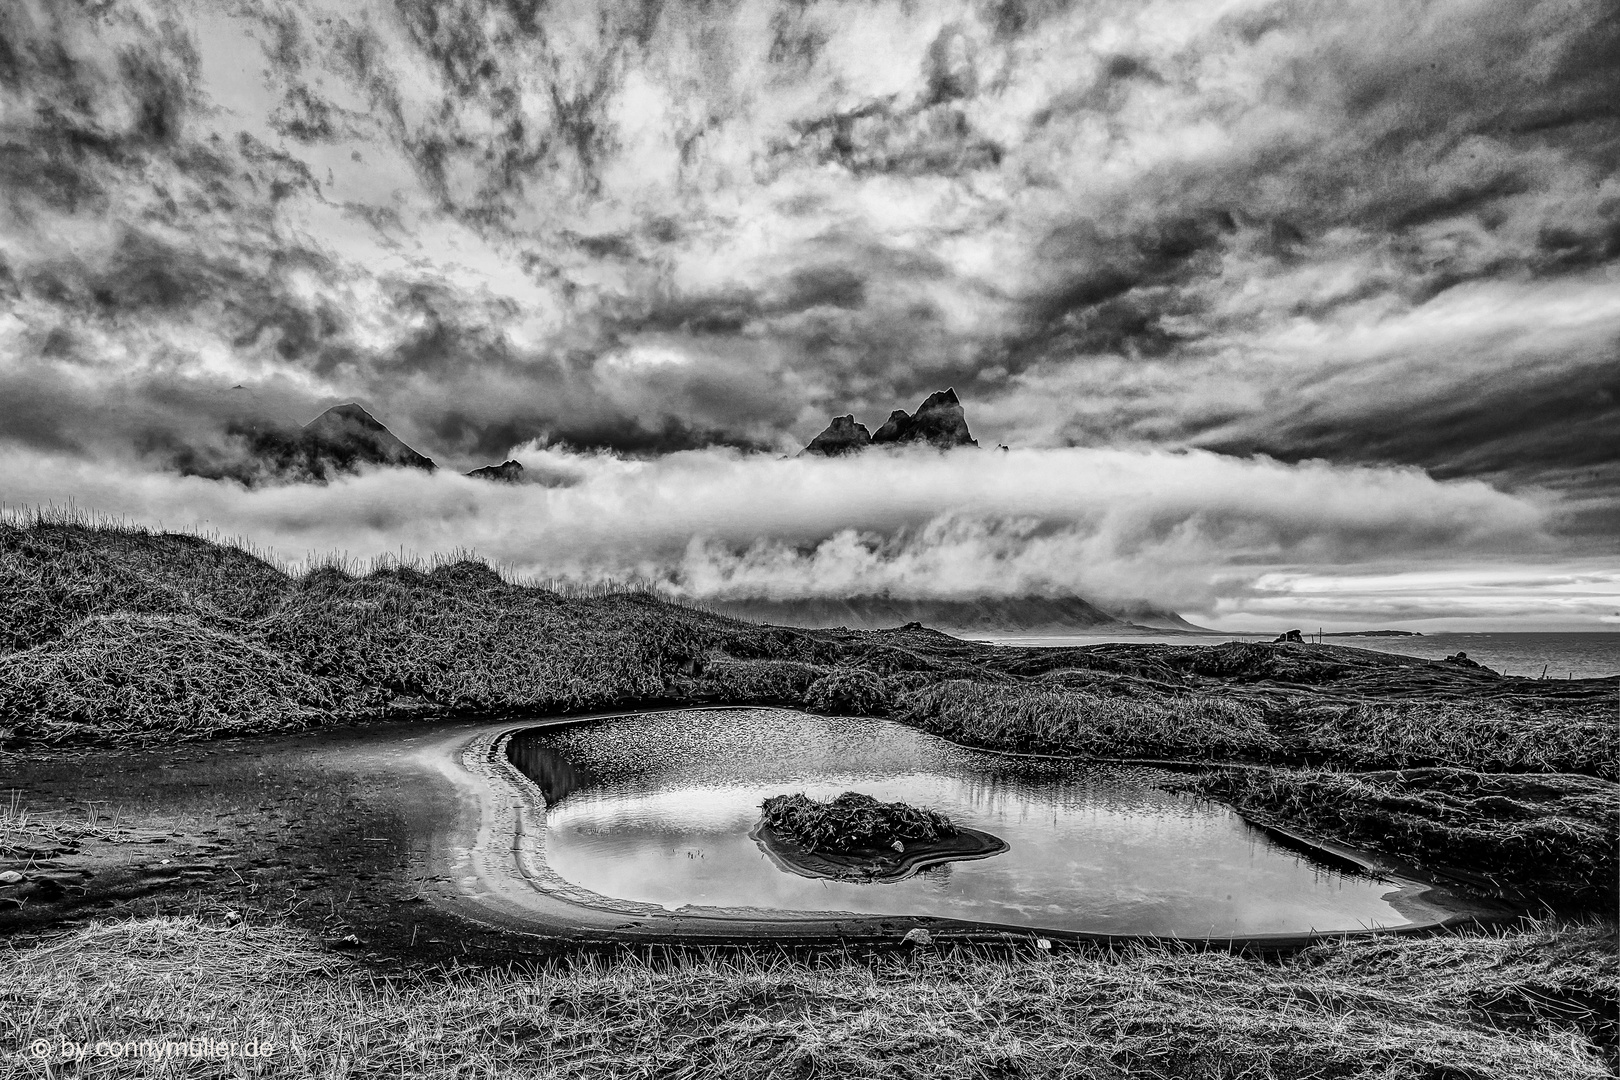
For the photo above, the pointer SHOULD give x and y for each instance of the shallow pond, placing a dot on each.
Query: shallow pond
(658, 810)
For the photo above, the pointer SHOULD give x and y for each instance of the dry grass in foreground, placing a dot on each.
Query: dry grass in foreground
(1528, 1004)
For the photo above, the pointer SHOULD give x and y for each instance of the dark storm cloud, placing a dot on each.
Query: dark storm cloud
(1502, 426)
(1401, 155)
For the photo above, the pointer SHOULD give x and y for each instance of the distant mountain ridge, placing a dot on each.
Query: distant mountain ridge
(940, 422)
(346, 438)
(509, 471)
(1157, 618)
(990, 614)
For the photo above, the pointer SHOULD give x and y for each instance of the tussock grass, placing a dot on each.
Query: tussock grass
(466, 640)
(1046, 719)
(1528, 1004)
(849, 691)
(1554, 836)
(54, 573)
(119, 675)
(852, 822)
(1078, 712)
(1479, 735)
(747, 681)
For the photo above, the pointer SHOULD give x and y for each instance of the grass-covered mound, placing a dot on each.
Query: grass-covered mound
(1508, 725)
(854, 837)
(128, 675)
(116, 633)
(1555, 837)
(1042, 718)
(853, 822)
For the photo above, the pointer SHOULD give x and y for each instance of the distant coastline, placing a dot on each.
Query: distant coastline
(1374, 633)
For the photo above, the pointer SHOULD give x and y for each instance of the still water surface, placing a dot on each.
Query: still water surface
(658, 810)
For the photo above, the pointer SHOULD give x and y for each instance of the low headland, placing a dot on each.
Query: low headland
(116, 640)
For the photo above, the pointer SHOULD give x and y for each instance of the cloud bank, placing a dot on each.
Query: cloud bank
(1192, 531)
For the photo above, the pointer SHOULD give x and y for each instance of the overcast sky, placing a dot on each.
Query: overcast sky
(1288, 309)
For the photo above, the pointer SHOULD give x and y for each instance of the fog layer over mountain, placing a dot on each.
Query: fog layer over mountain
(1193, 532)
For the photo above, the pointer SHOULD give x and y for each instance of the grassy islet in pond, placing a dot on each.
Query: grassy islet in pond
(853, 822)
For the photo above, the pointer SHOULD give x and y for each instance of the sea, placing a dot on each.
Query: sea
(1533, 655)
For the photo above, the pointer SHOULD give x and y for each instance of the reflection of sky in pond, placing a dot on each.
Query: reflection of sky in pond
(659, 811)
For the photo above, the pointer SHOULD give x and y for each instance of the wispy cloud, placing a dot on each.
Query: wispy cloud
(1560, 594)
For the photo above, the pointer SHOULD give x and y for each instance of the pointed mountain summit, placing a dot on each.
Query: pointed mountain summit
(842, 436)
(345, 438)
(940, 421)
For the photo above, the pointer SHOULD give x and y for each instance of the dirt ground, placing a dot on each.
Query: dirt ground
(295, 828)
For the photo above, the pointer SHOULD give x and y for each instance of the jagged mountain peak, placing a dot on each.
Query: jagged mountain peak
(940, 421)
(842, 436)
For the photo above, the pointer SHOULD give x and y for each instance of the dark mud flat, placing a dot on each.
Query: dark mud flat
(876, 865)
(332, 831)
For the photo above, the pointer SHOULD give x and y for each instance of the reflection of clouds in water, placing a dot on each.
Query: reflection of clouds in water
(721, 747)
(650, 754)
(700, 811)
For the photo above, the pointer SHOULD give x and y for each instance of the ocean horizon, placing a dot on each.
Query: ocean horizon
(1533, 654)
